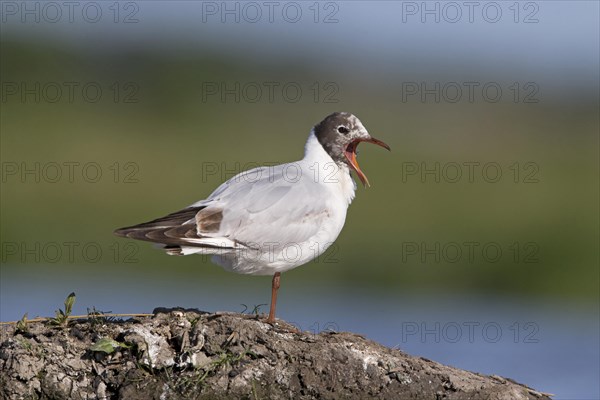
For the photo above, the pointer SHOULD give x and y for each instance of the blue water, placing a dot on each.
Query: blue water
(550, 346)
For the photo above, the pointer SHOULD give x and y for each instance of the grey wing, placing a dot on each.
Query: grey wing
(258, 207)
(268, 205)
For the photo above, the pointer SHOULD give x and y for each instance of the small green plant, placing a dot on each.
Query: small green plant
(32, 348)
(225, 358)
(26, 345)
(108, 345)
(254, 391)
(22, 325)
(255, 310)
(62, 316)
(194, 320)
(98, 317)
(188, 386)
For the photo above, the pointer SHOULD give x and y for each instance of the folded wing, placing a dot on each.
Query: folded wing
(261, 207)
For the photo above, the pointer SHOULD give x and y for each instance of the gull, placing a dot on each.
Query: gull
(271, 219)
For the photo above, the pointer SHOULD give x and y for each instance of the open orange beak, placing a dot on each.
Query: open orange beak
(350, 154)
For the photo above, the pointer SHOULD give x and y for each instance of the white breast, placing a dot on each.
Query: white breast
(335, 177)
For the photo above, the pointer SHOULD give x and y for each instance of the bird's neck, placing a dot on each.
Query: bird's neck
(327, 171)
(314, 151)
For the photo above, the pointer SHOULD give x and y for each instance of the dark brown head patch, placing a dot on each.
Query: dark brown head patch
(335, 132)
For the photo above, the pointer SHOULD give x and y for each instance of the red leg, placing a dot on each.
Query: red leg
(274, 288)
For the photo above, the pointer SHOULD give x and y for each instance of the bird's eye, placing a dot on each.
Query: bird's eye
(343, 129)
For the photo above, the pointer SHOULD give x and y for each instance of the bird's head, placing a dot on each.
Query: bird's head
(340, 134)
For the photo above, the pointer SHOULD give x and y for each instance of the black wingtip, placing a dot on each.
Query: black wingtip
(122, 232)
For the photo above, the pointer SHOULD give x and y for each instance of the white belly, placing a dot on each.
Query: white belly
(269, 258)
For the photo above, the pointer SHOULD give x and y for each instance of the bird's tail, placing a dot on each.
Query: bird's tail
(177, 234)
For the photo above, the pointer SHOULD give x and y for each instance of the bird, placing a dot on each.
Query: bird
(271, 219)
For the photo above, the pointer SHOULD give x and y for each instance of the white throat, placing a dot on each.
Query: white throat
(326, 171)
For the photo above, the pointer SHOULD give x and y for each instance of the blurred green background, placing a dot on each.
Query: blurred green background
(162, 140)
(182, 147)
